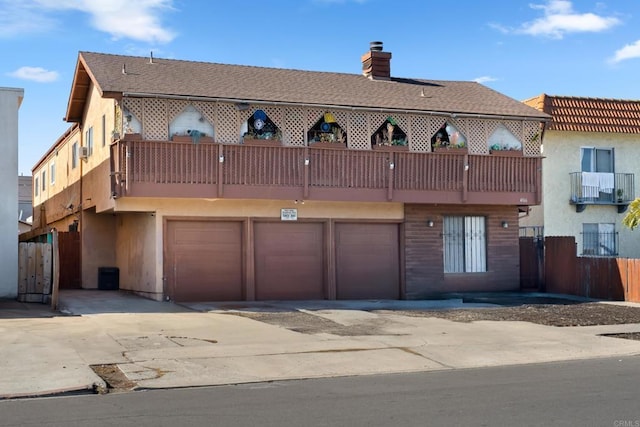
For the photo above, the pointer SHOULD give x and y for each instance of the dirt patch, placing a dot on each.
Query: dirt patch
(553, 312)
(116, 380)
(572, 314)
(306, 323)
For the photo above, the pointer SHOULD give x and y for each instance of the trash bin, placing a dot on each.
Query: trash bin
(108, 278)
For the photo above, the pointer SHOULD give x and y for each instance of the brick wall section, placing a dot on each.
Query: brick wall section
(424, 265)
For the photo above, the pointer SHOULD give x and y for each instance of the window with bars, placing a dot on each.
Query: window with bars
(465, 244)
(599, 239)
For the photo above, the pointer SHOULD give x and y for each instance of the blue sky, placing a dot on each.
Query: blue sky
(519, 48)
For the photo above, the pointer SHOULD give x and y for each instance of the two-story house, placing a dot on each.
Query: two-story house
(205, 181)
(591, 157)
(10, 100)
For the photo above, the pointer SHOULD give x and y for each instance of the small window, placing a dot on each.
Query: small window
(44, 181)
(89, 141)
(465, 248)
(599, 240)
(74, 155)
(36, 186)
(53, 173)
(596, 159)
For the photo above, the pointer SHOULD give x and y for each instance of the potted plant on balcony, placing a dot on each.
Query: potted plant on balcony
(505, 150)
(268, 139)
(620, 194)
(459, 147)
(334, 139)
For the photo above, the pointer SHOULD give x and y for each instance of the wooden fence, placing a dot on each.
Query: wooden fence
(38, 271)
(616, 279)
(35, 272)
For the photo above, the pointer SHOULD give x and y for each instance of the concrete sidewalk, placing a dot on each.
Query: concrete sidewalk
(159, 344)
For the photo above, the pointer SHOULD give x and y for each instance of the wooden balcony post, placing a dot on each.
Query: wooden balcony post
(127, 167)
(392, 166)
(465, 178)
(538, 166)
(305, 189)
(220, 169)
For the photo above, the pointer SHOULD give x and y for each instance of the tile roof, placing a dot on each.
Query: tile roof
(570, 113)
(167, 77)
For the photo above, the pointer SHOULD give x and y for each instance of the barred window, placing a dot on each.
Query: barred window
(465, 247)
(599, 239)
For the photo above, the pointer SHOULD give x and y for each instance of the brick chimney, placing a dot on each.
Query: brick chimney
(376, 64)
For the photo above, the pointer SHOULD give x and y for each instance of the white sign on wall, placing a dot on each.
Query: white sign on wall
(289, 214)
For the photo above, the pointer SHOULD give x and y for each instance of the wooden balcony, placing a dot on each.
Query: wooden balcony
(174, 169)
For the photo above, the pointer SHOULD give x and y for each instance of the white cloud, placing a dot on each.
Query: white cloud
(36, 74)
(484, 79)
(629, 51)
(138, 20)
(18, 18)
(560, 19)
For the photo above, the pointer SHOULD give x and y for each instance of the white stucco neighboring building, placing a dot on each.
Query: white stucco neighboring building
(10, 100)
(591, 154)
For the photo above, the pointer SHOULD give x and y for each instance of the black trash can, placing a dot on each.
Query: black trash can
(108, 278)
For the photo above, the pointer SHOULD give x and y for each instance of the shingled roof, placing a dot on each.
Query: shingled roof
(577, 114)
(119, 75)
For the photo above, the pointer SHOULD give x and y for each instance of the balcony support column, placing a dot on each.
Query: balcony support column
(305, 189)
(465, 178)
(392, 166)
(220, 169)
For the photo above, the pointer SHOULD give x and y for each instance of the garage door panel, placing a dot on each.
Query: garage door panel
(289, 261)
(367, 261)
(204, 259)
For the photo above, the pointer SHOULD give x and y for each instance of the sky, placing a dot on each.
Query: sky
(519, 48)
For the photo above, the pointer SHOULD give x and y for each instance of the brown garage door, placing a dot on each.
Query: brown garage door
(367, 261)
(289, 261)
(204, 260)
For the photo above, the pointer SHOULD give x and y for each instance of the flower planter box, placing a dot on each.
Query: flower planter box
(262, 142)
(451, 150)
(132, 137)
(187, 138)
(377, 147)
(330, 145)
(506, 153)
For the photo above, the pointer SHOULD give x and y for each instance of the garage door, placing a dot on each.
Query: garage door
(204, 260)
(289, 261)
(367, 261)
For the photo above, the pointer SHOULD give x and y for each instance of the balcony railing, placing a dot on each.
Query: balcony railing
(601, 189)
(174, 169)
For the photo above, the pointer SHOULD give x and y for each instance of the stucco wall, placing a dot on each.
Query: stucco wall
(10, 100)
(562, 157)
(97, 246)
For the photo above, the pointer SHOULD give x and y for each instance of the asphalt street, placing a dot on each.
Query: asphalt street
(600, 392)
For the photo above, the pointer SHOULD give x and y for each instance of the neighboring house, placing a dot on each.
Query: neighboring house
(23, 226)
(591, 158)
(204, 181)
(25, 198)
(10, 100)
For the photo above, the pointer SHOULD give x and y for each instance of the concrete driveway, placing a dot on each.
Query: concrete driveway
(153, 344)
